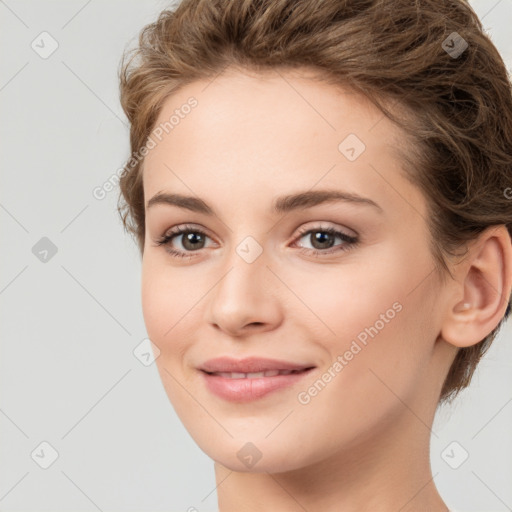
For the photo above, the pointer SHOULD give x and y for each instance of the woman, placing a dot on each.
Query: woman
(318, 192)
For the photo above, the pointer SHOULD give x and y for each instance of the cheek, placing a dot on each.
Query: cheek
(375, 317)
(156, 304)
(173, 302)
(383, 359)
(166, 297)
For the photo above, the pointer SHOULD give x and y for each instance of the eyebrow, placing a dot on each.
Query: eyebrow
(282, 204)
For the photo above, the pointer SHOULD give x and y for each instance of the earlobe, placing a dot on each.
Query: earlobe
(484, 280)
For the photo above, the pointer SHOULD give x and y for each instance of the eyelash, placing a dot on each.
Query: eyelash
(350, 241)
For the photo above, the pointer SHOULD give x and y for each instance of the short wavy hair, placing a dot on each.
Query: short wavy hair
(431, 58)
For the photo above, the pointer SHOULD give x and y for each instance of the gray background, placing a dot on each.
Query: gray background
(70, 324)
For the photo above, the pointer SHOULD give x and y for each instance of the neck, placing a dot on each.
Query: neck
(385, 472)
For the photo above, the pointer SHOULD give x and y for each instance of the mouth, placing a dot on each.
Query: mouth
(243, 387)
(256, 375)
(249, 366)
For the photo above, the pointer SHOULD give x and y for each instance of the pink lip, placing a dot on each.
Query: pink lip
(245, 389)
(249, 365)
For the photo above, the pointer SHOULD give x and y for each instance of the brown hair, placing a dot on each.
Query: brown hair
(458, 98)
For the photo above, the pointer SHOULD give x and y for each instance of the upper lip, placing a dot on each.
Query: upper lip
(249, 365)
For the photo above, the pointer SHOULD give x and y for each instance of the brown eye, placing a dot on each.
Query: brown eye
(324, 238)
(321, 239)
(192, 240)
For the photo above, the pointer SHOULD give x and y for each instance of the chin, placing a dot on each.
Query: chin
(265, 456)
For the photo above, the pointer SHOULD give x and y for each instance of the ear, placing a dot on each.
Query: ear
(481, 290)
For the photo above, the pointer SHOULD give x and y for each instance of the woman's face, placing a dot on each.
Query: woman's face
(262, 277)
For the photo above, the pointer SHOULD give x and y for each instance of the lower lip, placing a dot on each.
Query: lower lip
(246, 390)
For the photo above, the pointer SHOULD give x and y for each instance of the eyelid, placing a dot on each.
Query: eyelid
(180, 228)
(320, 226)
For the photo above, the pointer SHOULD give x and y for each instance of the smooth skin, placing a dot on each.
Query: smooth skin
(362, 442)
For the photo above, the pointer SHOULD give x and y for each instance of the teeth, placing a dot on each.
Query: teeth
(254, 375)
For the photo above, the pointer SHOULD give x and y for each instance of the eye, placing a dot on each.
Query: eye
(322, 239)
(192, 239)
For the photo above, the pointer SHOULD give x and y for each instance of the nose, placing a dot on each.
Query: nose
(245, 298)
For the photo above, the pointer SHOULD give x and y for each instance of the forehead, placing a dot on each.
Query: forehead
(269, 131)
(294, 105)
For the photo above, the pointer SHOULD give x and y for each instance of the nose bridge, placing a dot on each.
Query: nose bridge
(244, 295)
(246, 270)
